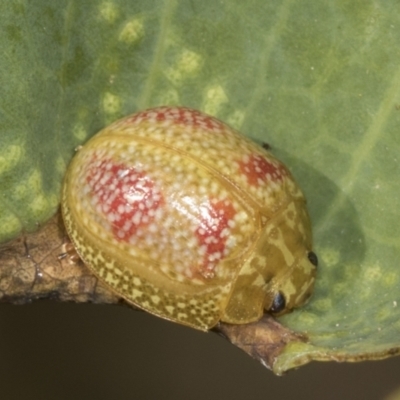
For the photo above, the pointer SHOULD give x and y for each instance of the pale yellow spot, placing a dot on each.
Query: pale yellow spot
(11, 156)
(189, 61)
(236, 119)
(53, 200)
(214, 98)
(136, 293)
(110, 264)
(10, 224)
(187, 64)
(373, 273)
(170, 309)
(108, 11)
(390, 278)
(155, 299)
(79, 132)
(38, 204)
(181, 305)
(111, 279)
(329, 256)
(111, 103)
(30, 186)
(364, 292)
(174, 75)
(137, 281)
(308, 318)
(132, 31)
(323, 304)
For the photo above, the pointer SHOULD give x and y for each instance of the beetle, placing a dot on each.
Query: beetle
(184, 217)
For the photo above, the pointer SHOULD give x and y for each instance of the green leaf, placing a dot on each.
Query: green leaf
(318, 81)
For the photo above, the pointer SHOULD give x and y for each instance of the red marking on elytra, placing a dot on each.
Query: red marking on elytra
(127, 197)
(258, 170)
(178, 115)
(215, 217)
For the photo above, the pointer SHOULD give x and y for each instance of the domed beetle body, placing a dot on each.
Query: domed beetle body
(185, 218)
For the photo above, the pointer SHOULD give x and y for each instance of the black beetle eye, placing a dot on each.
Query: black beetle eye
(313, 258)
(278, 303)
(266, 146)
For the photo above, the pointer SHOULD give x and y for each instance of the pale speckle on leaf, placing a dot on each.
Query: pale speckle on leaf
(111, 103)
(187, 65)
(189, 61)
(373, 273)
(11, 156)
(214, 97)
(132, 31)
(10, 224)
(108, 11)
(329, 256)
(79, 132)
(236, 119)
